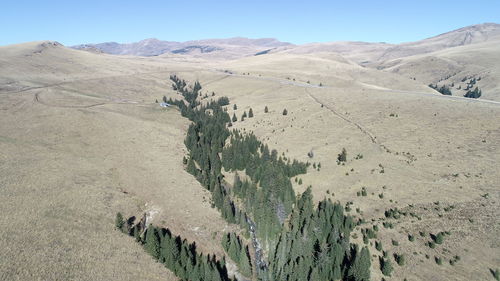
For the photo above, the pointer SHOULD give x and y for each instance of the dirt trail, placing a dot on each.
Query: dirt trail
(36, 98)
(82, 80)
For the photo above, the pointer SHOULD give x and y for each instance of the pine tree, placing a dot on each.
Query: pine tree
(119, 222)
(360, 269)
(235, 107)
(266, 110)
(438, 238)
(400, 259)
(152, 242)
(234, 117)
(285, 112)
(250, 113)
(342, 157)
(245, 265)
(386, 267)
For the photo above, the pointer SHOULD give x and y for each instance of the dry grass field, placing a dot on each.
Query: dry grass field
(81, 138)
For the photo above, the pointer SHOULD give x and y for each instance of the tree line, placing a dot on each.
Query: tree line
(302, 242)
(177, 254)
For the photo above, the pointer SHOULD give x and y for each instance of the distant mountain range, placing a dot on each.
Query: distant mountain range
(360, 52)
(155, 47)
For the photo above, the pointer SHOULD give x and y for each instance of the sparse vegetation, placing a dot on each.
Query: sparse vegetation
(342, 157)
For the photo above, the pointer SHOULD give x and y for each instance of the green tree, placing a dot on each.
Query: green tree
(234, 117)
(245, 265)
(438, 238)
(342, 157)
(250, 113)
(360, 269)
(400, 259)
(235, 107)
(386, 267)
(152, 242)
(285, 112)
(266, 110)
(119, 222)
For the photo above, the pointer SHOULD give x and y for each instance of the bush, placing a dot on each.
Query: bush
(266, 110)
(438, 260)
(285, 112)
(395, 243)
(496, 274)
(250, 113)
(400, 259)
(385, 267)
(438, 239)
(411, 238)
(342, 157)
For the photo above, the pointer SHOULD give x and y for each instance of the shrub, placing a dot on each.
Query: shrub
(438, 260)
(250, 113)
(395, 243)
(496, 274)
(400, 259)
(285, 112)
(438, 239)
(266, 110)
(342, 157)
(385, 267)
(411, 238)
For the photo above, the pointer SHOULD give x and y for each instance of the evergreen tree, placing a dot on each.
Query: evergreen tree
(386, 266)
(152, 242)
(266, 110)
(360, 269)
(235, 107)
(245, 265)
(250, 113)
(285, 112)
(342, 157)
(438, 238)
(234, 117)
(119, 222)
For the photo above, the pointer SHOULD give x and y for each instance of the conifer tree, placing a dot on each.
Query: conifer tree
(119, 222)
(234, 117)
(152, 242)
(285, 112)
(235, 107)
(266, 110)
(250, 113)
(245, 265)
(360, 269)
(386, 266)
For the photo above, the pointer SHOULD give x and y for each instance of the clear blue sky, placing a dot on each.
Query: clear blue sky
(298, 22)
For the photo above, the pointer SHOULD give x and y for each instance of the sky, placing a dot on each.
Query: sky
(74, 22)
